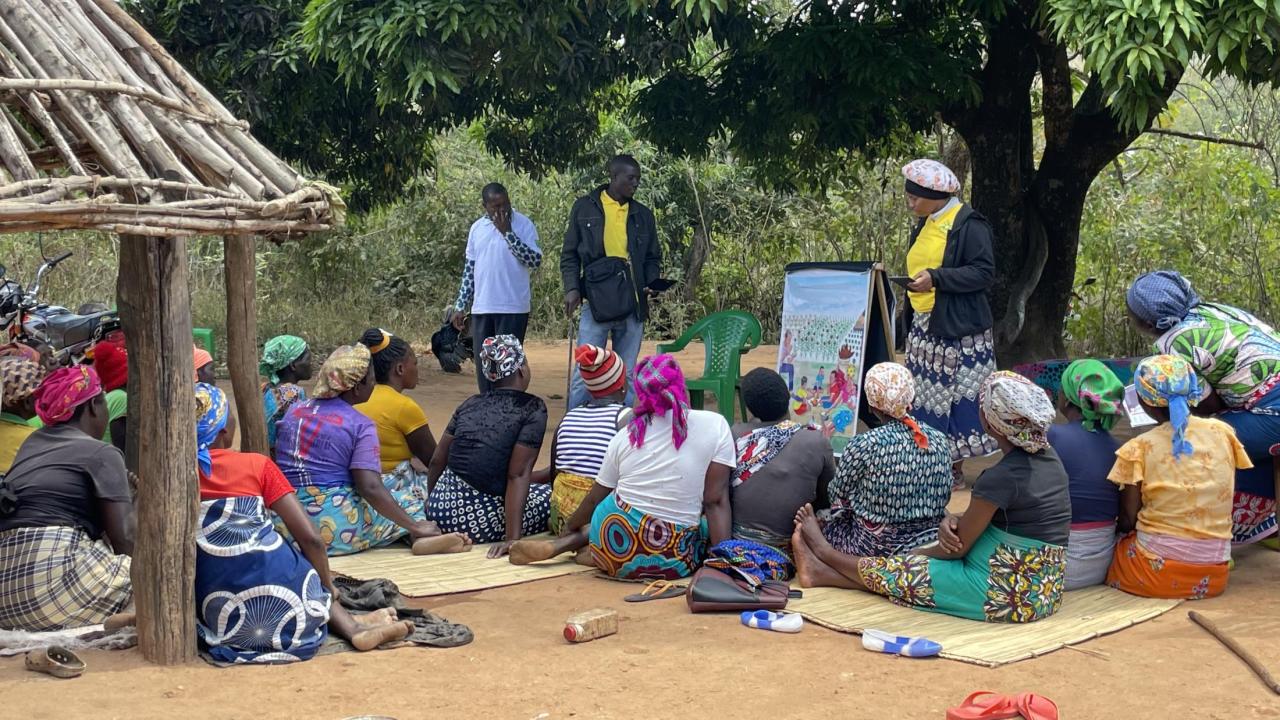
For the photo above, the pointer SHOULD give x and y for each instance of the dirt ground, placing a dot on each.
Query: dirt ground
(665, 662)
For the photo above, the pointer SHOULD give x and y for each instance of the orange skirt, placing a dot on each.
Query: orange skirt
(1138, 571)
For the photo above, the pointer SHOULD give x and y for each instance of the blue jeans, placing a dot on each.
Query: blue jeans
(627, 335)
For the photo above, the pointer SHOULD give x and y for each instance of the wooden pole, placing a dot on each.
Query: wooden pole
(156, 311)
(1254, 664)
(242, 340)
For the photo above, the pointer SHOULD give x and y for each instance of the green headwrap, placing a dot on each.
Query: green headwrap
(1091, 386)
(278, 353)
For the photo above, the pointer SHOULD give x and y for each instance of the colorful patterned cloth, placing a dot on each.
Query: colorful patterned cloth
(758, 447)
(567, 493)
(501, 356)
(1137, 570)
(16, 349)
(763, 562)
(890, 389)
(349, 524)
(458, 507)
(1003, 578)
(1017, 409)
(1091, 386)
(55, 578)
(1237, 354)
(211, 418)
(20, 378)
(660, 388)
(603, 371)
(258, 600)
(276, 400)
(342, 370)
(1253, 518)
(279, 352)
(931, 175)
(1169, 381)
(64, 390)
(630, 545)
(949, 373)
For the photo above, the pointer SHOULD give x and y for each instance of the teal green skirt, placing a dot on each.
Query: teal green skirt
(1004, 578)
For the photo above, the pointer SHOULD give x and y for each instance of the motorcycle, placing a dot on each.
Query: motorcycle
(68, 335)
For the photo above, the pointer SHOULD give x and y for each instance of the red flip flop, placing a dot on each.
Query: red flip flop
(985, 705)
(1036, 707)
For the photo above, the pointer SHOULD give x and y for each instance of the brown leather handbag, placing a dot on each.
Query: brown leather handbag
(713, 590)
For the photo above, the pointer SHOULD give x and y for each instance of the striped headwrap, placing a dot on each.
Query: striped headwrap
(603, 371)
(660, 387)
(211, 418)
(64, 390)
(1170, 381)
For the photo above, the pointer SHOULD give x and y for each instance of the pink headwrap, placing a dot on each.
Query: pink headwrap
(659, 388)
(64, 390)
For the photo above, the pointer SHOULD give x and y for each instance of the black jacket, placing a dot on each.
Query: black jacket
(968, 271)
(584, 244)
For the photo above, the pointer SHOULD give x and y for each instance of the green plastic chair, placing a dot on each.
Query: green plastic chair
(204, 336)
(727, 336)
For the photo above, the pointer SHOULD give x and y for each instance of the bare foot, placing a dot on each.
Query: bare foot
(441, 544)
(803, 557)
(523, 552)
(377, 617)
(371, 638)
(119, 620)
(585, 557)
(807, 524)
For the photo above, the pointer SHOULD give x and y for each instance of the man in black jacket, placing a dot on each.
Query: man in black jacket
(609, 259)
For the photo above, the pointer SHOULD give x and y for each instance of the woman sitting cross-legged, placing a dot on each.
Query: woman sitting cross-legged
(329, 453)
(1091, 399)
(894, 482)
(1003, 560)
(481, 473)
(1176, 484)
(259, 599)
(643, 516)
(66, 492)
(286, 362)
(403, 433)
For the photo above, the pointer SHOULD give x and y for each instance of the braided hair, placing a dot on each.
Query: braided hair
(386, 349)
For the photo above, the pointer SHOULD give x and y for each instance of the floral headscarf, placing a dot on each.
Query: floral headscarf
(1161, 298)
(501, 356)
(1091, 386)
(1018, 409)
(890, 389)
(279, 352)
(211, 418)
(64, 390)
(1170, 381)
(930, 179)
(342, 370)
(660, 388)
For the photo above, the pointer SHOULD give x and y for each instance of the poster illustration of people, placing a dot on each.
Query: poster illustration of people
(820, 355)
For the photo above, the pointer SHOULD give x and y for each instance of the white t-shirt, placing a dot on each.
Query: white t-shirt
(502, 283)
(661, 481)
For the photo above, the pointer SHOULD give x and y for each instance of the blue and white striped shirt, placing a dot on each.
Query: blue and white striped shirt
(583, 437)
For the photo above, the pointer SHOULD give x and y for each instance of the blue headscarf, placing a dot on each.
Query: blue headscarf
(1161, 298)
(1169, 381)
(211, 418)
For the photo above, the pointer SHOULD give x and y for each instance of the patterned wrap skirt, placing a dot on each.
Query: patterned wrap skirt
(949, 372)
(567, 493)
(1139, 571)
(853, 535)
(458, 507)
(56, 578)
(258, 600)
(630, 545)
(1003, 578)
(763, 562)
(349, 524)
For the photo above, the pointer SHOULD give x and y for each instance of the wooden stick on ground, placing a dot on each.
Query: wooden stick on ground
(1254, 664)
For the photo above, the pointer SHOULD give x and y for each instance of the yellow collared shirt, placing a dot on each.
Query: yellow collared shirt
(615, 226)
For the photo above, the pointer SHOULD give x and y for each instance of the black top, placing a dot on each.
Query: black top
(60, 476)
(486, 428)
(960, 305)
(584, 244)
(1033, 494)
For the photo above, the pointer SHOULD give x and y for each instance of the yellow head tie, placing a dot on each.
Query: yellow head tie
(386, 340)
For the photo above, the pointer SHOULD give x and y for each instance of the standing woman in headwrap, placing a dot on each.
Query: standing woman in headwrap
(329, 453)
(1237, 356)
(20, 377)
(65, 498)
(481, 475)
(1091, 399)
(286, 362)
(660, 478)
(1004, 559)
(947, 317)
(1175, 497)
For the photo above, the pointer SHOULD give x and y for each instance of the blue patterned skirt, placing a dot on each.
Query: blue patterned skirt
(949, 372)
(349, 524)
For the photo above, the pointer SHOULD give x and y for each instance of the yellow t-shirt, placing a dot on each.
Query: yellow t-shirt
(13, 431)
(1189, 497)
(615, 226)
(396, 416)
(926, 253)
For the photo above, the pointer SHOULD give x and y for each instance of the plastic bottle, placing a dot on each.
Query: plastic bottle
(591, 624)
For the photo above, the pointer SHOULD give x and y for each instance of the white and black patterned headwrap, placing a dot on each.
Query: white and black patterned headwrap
(501, 356)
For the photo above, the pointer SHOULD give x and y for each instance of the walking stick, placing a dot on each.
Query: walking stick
(568, 376)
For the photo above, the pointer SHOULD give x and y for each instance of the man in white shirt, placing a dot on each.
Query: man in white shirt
(502, 249)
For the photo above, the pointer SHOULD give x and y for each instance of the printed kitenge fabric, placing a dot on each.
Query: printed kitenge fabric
(349, 524)
(758, 447)
(1235, 352)
(1003, 578)
(55, 578)
(630, 545)
(1253, 518)
(276, 400)
(763, 562)
(949, 373)
(567, 493)
(258, 599)
(1138, 571)
(458, 507)
(855, 535)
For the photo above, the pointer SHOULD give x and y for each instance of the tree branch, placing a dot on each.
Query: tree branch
(1208, 138)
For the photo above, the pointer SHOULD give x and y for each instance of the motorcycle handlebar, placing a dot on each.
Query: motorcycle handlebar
(52, 263)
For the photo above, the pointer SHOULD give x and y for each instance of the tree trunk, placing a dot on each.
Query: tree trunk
(242, 341)
(156, 311)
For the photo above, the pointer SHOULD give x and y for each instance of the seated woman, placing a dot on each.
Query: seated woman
(894, 482)
(403, 432)
(286, 362)
(250, 583)
(204, 365)
(481, 473)
(1091, 399)
(1003, 560)
(579, 443)
(20, 378)
(65, 492)
(111, 363)
(329, 453)
(781, 465)
(1176, 487)
(643, 517)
